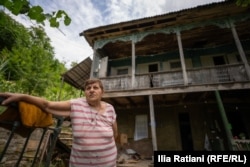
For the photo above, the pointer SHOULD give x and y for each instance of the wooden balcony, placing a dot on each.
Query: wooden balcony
(196, 76)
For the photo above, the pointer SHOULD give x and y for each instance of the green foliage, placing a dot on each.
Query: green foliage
(243, 3)
(9, 30)
(36, 12)
(27, 63)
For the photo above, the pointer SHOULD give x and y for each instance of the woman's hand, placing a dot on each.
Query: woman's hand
(7, 98)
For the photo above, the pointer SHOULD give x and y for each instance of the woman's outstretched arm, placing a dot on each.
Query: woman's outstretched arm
(60, 108)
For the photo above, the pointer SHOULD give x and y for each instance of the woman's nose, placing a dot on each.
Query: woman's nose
(91, 89)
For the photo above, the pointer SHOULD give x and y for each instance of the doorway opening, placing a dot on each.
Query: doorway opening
(222, 73)
(219, 60)
(238, 126)
(153, 79)
(185, 130)
(152, 67)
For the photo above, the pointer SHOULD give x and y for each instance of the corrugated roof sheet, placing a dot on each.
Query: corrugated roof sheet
(169, 13)
(77, 75)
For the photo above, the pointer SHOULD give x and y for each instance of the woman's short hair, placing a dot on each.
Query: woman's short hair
(93, 80)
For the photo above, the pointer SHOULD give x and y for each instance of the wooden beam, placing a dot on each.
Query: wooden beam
(152, 122)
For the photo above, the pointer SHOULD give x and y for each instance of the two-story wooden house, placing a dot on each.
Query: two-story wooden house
(179, 79)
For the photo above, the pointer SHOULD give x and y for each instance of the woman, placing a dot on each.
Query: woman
(93, 122)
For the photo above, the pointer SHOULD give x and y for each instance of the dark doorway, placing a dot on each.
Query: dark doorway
(153, 68)
(222, 73)
(153, 79)
(185, 130)
(219, 60)
(237, 123)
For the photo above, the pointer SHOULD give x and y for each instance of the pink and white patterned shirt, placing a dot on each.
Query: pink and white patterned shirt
(93, 136)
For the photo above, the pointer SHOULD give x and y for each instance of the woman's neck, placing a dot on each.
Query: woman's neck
(96, 105)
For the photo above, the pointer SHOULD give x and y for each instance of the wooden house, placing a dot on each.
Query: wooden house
(178, 80)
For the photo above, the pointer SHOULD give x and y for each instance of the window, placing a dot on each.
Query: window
(175, 64)
(141, 127)
(153, 68)
(219, 60)
(122, 71)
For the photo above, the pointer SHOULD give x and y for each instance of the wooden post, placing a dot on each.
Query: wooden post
(183, 65)
(152, 122)
(225, 121)
(92, 66)
(133, 65)
(240, 50)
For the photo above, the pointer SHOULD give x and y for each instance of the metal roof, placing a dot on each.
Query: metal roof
(146, 23)
(77, 75)
(155, 35)
(157, 43)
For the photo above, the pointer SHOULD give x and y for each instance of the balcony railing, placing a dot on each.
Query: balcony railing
(196, 76)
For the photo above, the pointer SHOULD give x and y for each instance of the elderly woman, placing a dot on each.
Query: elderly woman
(93, 121)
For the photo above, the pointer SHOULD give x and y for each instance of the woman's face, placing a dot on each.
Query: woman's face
(93, 92)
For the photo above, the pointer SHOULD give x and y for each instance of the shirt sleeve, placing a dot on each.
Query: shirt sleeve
(114, 115)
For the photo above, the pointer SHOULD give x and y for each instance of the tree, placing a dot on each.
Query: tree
(27, 62)
(36, 12)
(243, 3)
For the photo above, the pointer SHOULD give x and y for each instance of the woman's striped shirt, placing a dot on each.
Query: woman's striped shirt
(93, 137)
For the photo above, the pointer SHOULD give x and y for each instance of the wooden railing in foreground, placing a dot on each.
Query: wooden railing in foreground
(241, 145)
